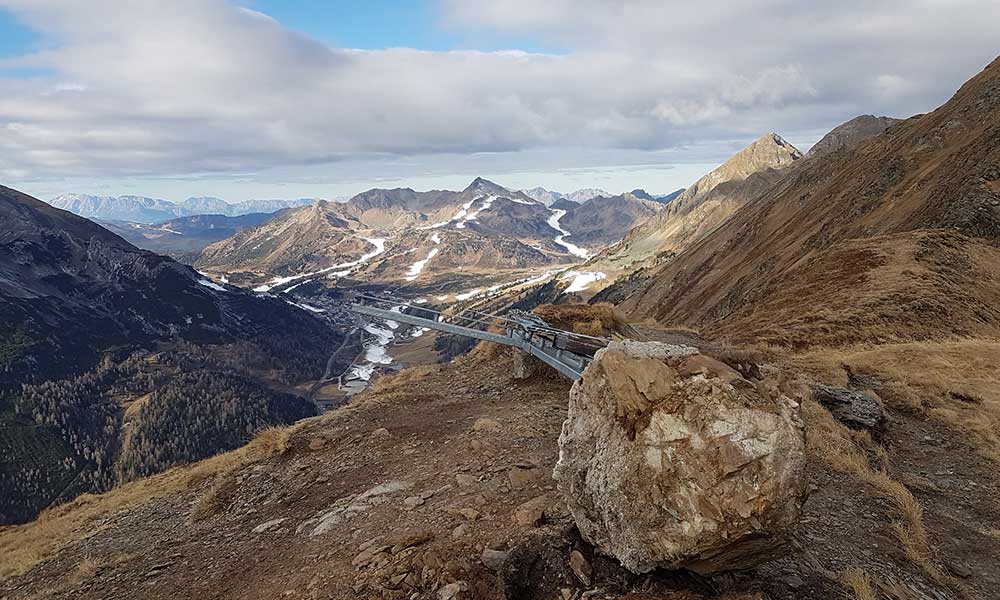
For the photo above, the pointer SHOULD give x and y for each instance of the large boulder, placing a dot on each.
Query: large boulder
(671, 459)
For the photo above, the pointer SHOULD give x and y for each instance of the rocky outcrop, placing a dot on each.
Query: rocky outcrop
(847, 134)
(671, 459)
(857, 410)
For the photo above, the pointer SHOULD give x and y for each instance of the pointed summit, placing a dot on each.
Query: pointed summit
(486, 186)
(770, 151)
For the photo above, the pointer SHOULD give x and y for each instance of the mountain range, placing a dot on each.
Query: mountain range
(485, 229)
(141, 209)
(548, 197)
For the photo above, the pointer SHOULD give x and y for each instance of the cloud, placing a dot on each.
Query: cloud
(146, 87)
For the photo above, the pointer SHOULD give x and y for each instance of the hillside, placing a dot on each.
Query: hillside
(894, 238)
(109, 351)
(377, 500)
(603, 220)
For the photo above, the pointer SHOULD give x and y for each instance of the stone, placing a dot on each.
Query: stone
(412, 502)
(670, 466)
(317, 443)
(367, 555)
(326, 522)
(530, 513)
(409, 539)
(580, 566)
(381, 434)
(269, 525)
(464, 480)
(460, 531)
(857, 410)
(521, 477)
(467, 513)
(493, 559)
(523, 365)
(486, 425)
(389, 487)
(452, 591)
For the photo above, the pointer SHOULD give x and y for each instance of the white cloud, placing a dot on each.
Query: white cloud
(147, 87)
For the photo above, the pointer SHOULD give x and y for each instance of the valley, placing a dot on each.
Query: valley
(726, 367)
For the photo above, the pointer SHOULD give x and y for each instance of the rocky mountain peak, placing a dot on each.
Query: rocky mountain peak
(770, 151)
(851, 132)
(480, 184)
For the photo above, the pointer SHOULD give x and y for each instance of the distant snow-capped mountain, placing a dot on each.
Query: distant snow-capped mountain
(548, 197)
(140, 209)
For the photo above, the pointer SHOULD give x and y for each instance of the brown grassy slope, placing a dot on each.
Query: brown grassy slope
(838, 240)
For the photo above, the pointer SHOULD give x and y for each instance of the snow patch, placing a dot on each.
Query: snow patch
(211, 284)
(338, 270)
(553, 221)
(581, 280)
(418, 266)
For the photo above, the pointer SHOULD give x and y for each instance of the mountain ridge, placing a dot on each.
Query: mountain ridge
(142, 209)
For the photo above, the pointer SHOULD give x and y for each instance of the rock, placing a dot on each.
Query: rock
(269, 525)
(326, 522)
(662, 470)
(460, 531)
(389, 487)
(580, 566)
(699, 364)
(524, 365)
(493, 559)
(452, 591)
(464, 480)
(959, 569)
(857, 410)
(412, 502)
(486, 425)
(381, 434)
(368, 555)
(409, 539)
(317, 443)
(466, 513)
(521, 477)
(531, 513)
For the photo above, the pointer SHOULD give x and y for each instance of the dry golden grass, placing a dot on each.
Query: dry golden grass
(396, 384)
(846, 451)
(85, 570)
(23, 546)
(954, 382)
(860, 584)
(216, 498)
(598, 320)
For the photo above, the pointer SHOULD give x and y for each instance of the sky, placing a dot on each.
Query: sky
(310, 98)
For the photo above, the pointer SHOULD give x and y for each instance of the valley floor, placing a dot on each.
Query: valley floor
(399, 494)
